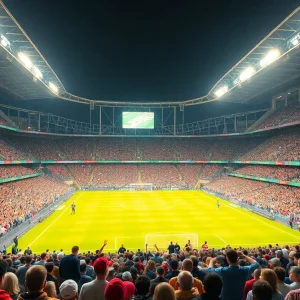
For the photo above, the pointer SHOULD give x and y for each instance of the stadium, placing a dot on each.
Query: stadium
(139, 175)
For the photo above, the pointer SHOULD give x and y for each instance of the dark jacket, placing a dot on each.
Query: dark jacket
(172, 274)
(199, 274)
(70, 268)
(53, 279)
(159, 280)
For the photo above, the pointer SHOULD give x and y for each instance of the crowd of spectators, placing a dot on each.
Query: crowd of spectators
(116, 175)
(190, 173)
(161, 176)
(60, 171)
(9, 153)
(281, 146)
(282, 115)
(280, 199)
(81, 173)
(177, 272)
(7, 171)
(20, 200)
(281, 173)
(36, 147)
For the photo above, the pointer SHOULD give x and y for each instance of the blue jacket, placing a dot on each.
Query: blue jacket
(70, 268)
(234, 278)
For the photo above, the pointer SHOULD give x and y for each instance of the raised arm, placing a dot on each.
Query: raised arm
(101, 249)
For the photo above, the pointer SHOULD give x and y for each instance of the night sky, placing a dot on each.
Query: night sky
(146, 50)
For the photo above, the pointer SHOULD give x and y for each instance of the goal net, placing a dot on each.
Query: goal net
(140, 186)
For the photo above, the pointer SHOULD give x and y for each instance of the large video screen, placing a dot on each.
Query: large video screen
(138, 120)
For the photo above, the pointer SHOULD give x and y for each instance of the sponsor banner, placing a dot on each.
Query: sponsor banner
(252, 162)
(15, 178)
(272, 180)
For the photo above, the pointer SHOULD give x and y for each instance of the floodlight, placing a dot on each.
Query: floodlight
(247, 73)
(25, 60)
(37, 73)
(271, 56)
(295, 42)
(4, 41)
(220, 92)
(53, 87)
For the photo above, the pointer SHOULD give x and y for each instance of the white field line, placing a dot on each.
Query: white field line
(67, 208)
(249, 215)
(222, 240)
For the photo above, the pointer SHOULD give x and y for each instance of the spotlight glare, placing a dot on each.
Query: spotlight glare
(247, 73)
(4, 41)
(295, 42)
(271, 56)
(25, 60)
(220, 92)
(53, 87)
(37, 73)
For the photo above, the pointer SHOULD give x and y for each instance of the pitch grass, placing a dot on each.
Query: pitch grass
(132, 218)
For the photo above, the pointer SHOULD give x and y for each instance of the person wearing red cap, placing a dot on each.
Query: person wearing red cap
(94, 290)
(115, 290)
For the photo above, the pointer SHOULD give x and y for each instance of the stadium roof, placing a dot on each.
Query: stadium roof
(275, 61)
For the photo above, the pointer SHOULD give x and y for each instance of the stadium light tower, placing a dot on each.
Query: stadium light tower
(53, 87)
(25, 60)
(220, 92)
(270, 57)
(247, 73)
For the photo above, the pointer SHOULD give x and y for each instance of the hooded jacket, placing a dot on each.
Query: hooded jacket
(34, 296)
(186, 295)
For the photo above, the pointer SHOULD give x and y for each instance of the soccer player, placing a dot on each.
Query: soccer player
(122, 249)
(171, 248)
(291, 220)
(73, 206)
(188, 245)
(205, 247)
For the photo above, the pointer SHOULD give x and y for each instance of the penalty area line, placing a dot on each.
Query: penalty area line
(222, 240)
(78, 197)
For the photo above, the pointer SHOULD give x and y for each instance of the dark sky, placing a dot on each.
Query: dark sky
(145, 50)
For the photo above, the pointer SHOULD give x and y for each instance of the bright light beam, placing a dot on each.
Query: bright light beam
(37, 73)
(4, 41)
(247, 73)
(25, 60)
(271, 56)
(53, 87)
(220, 92)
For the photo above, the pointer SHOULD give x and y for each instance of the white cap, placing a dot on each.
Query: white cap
(68, 289)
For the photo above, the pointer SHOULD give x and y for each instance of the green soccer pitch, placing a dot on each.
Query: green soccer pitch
(136, 218)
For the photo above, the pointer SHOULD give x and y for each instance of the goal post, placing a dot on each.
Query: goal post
(141, 186)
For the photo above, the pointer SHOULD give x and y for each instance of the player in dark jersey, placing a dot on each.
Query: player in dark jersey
(73, 206)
